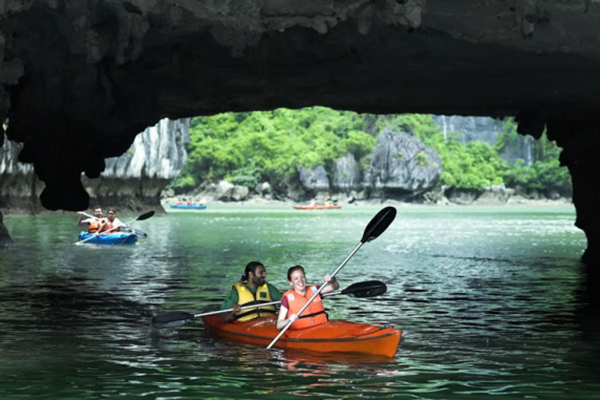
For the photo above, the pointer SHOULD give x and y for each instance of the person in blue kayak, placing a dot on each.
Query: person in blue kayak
(112, 223)
(293, 300)
(252, 288)
(93, 223)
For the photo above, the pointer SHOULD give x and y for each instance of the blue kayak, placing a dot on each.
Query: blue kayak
(188, 206)
(112, 238)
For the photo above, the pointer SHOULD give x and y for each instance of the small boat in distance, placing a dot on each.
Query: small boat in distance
(188, 206)
(315, 206)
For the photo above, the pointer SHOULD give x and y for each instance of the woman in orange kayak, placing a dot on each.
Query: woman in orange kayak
(293, 300)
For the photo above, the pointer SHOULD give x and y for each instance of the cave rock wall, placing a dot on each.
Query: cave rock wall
(133, 180)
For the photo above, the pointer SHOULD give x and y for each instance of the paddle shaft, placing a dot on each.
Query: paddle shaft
(86, 214)
(285, 328)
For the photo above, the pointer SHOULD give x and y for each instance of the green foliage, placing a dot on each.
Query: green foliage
(245, 176)
(509, 136)
(184, 182)
(418, 125)
(358, 143)
(472, 166)
(422, 160)
(475, 165)
(250, 147)
(542, 176)
(545, 174)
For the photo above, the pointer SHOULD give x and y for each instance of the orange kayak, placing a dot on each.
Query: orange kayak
(333, 336)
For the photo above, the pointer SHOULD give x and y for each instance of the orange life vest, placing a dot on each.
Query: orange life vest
(108, 226)
(93, 226)
(313, 315)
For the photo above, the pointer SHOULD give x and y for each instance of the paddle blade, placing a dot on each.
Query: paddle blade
(145, 216)
(379, 224)
(139, 233)
(366, 289)
(173, 319)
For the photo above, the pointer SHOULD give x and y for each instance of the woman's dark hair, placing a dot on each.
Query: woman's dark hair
(292, 269)
(251, 267)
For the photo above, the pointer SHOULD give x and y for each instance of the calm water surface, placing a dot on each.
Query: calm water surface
(491, 302)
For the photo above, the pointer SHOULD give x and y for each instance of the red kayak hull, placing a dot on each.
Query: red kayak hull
(331, 337)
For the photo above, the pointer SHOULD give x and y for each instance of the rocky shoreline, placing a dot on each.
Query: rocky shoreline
(226, 193)
(257, 201)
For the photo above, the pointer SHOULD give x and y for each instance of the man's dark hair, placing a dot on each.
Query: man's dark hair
(251, 267)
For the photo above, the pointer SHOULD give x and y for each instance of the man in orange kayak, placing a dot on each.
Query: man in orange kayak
(251, 289)
(293, 300)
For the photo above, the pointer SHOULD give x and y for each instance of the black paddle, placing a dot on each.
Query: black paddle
(175, 319)
(140, 218)
(376, 227)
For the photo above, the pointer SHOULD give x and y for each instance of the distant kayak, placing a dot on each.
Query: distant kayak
(330, 337)
(317, 207)
(113, 238)
(188, 206)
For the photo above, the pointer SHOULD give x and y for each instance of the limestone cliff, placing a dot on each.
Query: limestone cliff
(133, 180)
(487, 130)
(401, 167)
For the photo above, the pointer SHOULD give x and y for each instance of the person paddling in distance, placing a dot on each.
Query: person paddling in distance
(112, 223)
(251, 289)
(93, 223)
(293, 300)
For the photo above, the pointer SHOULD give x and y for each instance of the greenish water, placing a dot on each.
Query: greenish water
(491, 302)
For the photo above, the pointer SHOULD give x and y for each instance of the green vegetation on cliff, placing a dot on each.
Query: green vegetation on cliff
(246, 148)
(250, 147)
(545, 173)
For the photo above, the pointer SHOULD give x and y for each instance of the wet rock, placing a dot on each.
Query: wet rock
(402, 164)
(239, 193)
(264, 189)
(5, 239)
(314, 179)
(346, 174)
